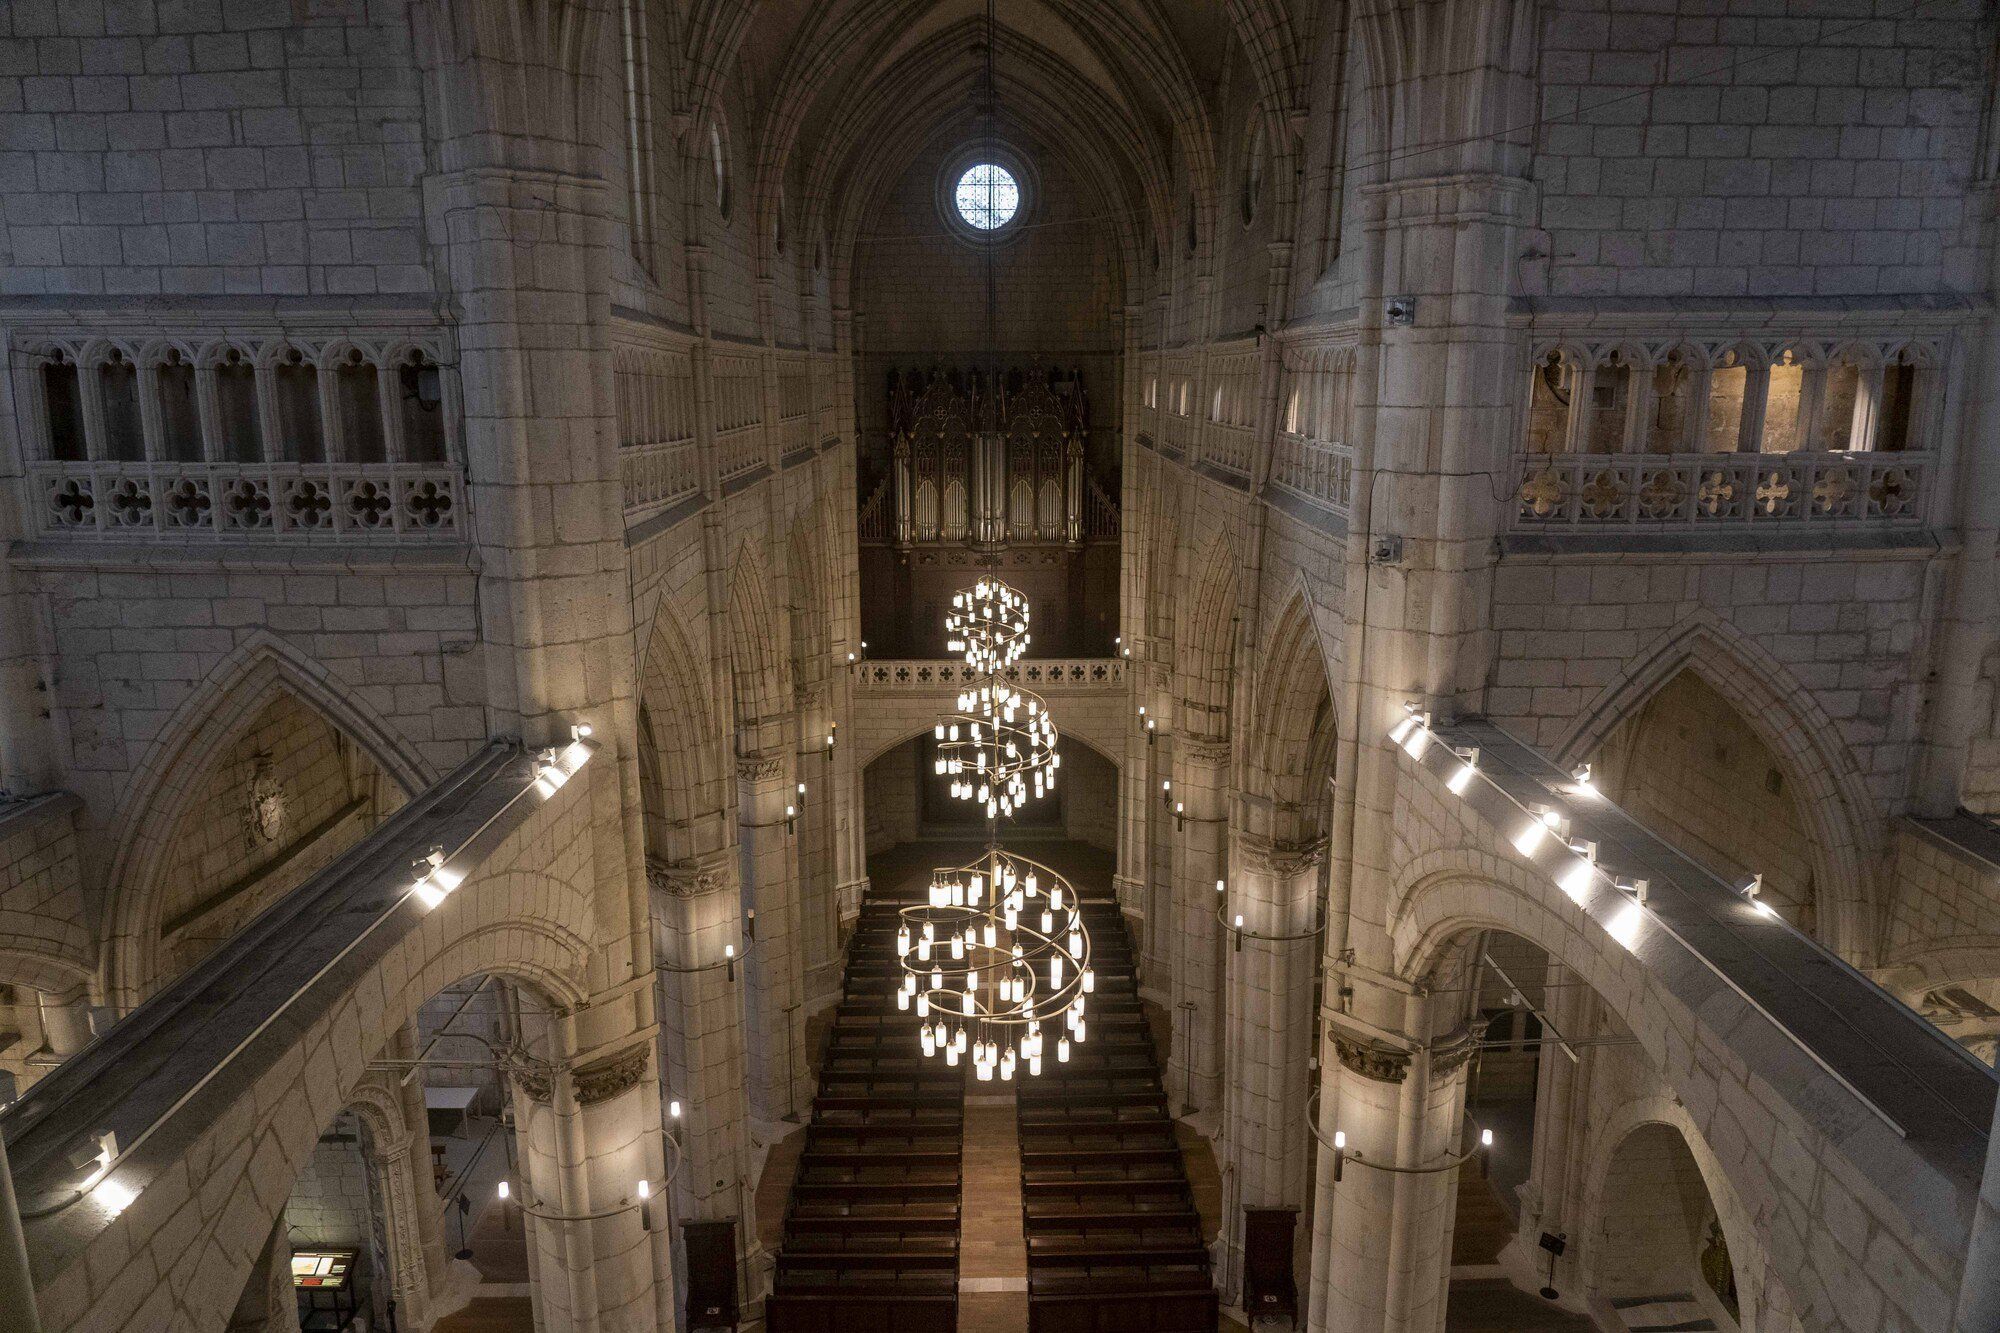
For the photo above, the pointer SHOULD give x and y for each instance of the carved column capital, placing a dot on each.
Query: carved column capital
(1279, 859)
(603, 1079)
(1371, 1059)
(598, 1081)
(1202, 749)
(1450, 1053)
(762, 766)
(695, 877)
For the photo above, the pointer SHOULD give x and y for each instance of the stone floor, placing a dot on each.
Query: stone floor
(490, 1314)
(1494, 1305)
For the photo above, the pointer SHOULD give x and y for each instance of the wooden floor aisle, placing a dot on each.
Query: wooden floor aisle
(992, 1246)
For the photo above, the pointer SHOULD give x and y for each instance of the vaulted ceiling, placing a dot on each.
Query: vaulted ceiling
(845, 94)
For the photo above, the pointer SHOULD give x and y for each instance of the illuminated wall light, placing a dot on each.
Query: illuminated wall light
(113, 1196)
(1462, 778)
(503, 1191)
(1583, 786)
(1625, 925)
(1486, 1138)
(1575, 881)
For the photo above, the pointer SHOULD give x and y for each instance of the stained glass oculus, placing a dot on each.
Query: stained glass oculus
(987, 197)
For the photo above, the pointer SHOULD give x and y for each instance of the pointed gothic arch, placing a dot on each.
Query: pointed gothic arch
(1207, 654)
(681, 767)
(260, 670)
(756, 649)
(1292, 745)
(1832, 798)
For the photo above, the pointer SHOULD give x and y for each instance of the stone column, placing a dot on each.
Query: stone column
(1562, 1103)
(1200, 850)
(850, 846)
(695, 913)
(65, 1020)
(404, 1175)
(1388, 1233)
(819, 918)
(1158, 947)
(779, 1082)
(427, 1210)
(1275, 888)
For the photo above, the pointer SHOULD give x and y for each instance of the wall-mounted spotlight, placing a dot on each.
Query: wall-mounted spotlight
(1461, 777)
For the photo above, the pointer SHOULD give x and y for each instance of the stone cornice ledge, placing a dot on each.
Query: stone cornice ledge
(1728, 541)
(242, 557)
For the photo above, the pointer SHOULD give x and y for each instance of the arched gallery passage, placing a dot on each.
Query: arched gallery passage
(1588, 1146)
(1689, 766)
(400, 1200)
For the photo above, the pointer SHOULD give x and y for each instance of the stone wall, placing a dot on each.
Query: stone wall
(211, 148)
(287, 796)
(43, 912)
(1695, 773)
(1737, 151)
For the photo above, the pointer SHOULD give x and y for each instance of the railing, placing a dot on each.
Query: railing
(1319, 472)
(1227, 447)
(1100, 512)
(1591, 492)
(657, 475)
(1106, 673)
(740, 450)
(873, 525)
(305, 501)
(794, 434)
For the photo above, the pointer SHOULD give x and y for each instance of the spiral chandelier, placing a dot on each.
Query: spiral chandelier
(997, 958)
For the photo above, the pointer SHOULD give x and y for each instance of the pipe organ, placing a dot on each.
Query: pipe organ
(989, 459)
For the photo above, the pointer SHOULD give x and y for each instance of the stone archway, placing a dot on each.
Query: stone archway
(262, 675)
(1831, 796)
